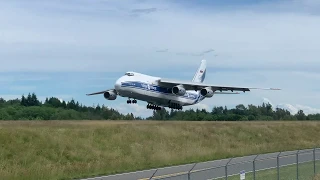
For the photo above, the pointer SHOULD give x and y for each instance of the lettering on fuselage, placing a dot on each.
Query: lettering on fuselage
(153, 88)
(145, 86)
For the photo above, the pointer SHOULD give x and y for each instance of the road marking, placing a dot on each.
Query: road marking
(263, 169)
(181, 173)
(186, 172)
(206, 162)
(164, 176)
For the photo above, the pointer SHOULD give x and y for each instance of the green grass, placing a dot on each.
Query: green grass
(76, 149)
(286, 173)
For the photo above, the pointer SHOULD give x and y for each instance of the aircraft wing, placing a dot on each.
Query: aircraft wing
(101, 92)
(199, 86)
(226, 93)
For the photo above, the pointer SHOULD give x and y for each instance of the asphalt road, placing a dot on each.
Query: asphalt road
(216, 169)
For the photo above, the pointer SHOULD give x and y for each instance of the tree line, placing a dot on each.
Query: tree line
(30, 108)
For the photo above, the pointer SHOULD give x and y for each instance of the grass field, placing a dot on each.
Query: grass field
(74, 149)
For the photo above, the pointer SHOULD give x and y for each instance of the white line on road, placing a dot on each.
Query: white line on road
(262, 169)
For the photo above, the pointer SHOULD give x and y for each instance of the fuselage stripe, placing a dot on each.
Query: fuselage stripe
(159, 92)
(158, 89)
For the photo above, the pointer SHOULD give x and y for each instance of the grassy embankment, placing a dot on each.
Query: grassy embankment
(73, 149)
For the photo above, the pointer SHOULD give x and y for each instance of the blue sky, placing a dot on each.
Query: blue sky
(69, 48)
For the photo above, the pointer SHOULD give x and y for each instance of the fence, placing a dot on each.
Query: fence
(300, 164)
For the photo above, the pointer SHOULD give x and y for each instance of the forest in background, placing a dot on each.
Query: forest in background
(30, 108)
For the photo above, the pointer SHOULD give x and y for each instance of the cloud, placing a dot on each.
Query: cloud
(262, 39)
(162, 50)
(23, 88)
(293, 109)
(196, 54)
(266, 100)
(208, 51)
(186, 53)
(262, 44)
(146, 10)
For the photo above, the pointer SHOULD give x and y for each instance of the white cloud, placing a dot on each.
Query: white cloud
(274, 44)
(293, 109)
(266, 100)
(84, 40)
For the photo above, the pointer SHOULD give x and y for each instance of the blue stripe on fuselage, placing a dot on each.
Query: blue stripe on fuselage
(158, 89)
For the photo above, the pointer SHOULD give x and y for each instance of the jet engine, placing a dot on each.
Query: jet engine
(178, 90)
(110, 95)
(206, 92)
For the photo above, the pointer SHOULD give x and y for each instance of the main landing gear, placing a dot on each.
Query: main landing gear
(154, 107)
(175, 106)
(133, 101)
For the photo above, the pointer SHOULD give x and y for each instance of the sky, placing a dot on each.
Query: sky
(69, 48)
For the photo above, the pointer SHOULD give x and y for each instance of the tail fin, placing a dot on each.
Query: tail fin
(201, 73)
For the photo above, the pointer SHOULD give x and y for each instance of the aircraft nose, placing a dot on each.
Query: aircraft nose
(118, 84)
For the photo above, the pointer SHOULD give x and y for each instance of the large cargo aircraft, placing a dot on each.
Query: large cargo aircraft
(160, 93)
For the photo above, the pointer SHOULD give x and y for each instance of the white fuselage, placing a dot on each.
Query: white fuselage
(159, 92)
(146, 88)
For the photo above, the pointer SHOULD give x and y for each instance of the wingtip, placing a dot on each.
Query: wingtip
(266, 88)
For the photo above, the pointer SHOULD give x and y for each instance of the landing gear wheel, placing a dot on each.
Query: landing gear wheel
(134, 101)
(175, 106)
(129, 101)
(154, 107)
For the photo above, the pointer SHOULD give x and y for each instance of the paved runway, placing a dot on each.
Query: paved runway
(216, 169)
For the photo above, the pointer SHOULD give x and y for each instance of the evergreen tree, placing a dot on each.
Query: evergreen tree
(29, 100)
(29, 108)
(23, 101)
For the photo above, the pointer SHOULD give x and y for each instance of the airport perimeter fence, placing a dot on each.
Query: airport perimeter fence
(300, 164)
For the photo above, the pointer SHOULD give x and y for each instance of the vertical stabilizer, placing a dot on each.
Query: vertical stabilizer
(201, 73)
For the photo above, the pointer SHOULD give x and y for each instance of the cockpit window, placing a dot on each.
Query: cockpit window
(129, 74)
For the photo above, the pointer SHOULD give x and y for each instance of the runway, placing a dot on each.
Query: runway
(216, 169)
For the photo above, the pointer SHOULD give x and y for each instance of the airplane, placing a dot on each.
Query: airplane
(160, 93)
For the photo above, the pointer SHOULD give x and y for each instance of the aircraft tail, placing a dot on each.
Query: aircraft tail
(201, 73)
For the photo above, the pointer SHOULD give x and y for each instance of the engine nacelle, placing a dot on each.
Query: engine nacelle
(206, 92)
(110, 95)
(178, 90)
